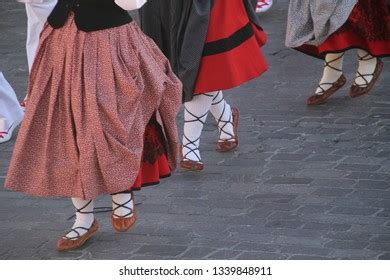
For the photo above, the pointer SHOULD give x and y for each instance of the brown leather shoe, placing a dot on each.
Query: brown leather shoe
(224, 146)
(357, 91)
(124, 223)
(317, 99)
(190, 165)
(67, 244)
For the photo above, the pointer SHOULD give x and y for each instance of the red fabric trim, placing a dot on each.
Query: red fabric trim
(235, 67)
(231, 69)
(346, 41)
(225, 19)
(150, 174)
(155, 164)
(367, 28)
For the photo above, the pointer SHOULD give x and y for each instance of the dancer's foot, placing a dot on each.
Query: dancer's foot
(66, 243)
(195, 115)
(84, 227)
(190, 155)
(370, 68)
(123, 212)
(231, 143)
(189, 164)
(332, 79)
(317, 99)
(227, 121)
(6, 131)
(263, 5)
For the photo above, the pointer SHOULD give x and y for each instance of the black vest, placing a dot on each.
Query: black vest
(90, 15)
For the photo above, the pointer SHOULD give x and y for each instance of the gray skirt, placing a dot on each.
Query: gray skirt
(313, 21)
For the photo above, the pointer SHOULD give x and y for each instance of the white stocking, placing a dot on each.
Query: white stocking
(195, 116)
(84, 218)
(367, 65)
(222, 113)
(122, 205)
(333, 69)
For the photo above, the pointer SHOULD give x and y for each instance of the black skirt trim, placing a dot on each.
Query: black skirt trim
(230, 43)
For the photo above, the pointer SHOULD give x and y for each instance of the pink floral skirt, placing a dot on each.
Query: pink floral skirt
(91, 96)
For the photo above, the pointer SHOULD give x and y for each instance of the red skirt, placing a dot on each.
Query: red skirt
(154, 165)
(367, 28)
(232, 54)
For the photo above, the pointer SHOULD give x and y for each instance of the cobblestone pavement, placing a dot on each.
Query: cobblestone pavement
(306, 183)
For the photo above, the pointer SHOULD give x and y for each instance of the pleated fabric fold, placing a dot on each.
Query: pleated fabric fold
(91, 96)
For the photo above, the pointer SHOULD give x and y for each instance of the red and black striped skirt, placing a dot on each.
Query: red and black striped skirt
(232, 54)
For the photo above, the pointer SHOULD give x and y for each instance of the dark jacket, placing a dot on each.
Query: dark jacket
(179, 27)
(90, 15)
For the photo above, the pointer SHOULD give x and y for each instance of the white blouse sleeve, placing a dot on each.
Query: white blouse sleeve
(130, 4)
